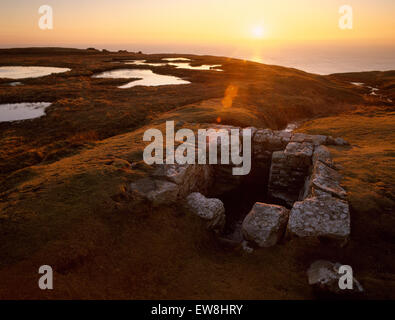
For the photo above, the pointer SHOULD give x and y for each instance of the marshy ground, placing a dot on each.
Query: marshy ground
(63, 191)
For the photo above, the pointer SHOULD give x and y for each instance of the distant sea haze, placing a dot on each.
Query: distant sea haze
(321, 59)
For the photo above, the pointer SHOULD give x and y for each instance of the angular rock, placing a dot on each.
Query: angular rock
(267, 140)
(320, 217)
(158, 192)
(337, 141)
(313, 139)
(322, 153)
(299, 154)
(324, 180)
(212, 210)
(265, 224)
(324, 277)
(190, 178)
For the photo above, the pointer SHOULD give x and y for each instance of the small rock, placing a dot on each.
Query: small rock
(158, 192)
(341, 142)
(265, 224)
(246, 247)
(212, 210)
(324, 277)
(121, 164)
(336, 141)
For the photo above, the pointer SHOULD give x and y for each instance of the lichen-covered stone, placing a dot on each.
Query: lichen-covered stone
(324, 179)
(313, 139)
(265, 224)
(322, 153)
(320, 217)
(212, 210)
(299, 154)
(267, 140)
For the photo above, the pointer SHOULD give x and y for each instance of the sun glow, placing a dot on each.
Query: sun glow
(258, 32)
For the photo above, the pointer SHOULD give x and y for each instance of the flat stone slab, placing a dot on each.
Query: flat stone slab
(325, 180)
(320, 217)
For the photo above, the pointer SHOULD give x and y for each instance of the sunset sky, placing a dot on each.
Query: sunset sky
(195, 22)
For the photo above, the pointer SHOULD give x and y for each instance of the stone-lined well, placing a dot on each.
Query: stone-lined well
(297, 171)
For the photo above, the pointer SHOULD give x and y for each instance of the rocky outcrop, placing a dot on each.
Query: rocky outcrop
(211, 210)
(324, 277)
(265, 224)
(320, 217)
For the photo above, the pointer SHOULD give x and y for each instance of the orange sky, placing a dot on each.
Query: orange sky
(194, 22)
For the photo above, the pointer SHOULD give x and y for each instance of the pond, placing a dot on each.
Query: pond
(176, 59)
(22, 111)
(21, 72)
(144, 63)
(143, 78)
(185, 65)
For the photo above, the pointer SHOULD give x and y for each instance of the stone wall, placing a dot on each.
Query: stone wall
(299, 170)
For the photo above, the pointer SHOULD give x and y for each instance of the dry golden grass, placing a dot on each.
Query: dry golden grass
(64, 201)
(368, 167)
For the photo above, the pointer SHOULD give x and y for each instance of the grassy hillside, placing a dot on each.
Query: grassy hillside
(64, 199)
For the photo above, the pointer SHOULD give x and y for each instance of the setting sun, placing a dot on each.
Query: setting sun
(258, 32)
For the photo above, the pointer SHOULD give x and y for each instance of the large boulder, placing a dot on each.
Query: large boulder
(321, 218)
(324, 277)
(211, 210)
(265, 224)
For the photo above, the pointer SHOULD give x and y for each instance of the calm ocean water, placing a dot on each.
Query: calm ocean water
(321, 59)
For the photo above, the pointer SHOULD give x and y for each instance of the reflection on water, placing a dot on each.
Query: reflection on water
(22, 111)
(144, 63)
(19, 72)
(146, 78)
(16, 83)
(358, 84)
(178, 65)
(185, 65)
(176, 59)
